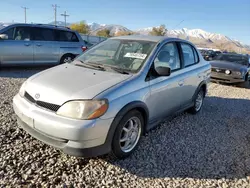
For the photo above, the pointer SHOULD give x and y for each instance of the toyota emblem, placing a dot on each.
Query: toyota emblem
(37, 96)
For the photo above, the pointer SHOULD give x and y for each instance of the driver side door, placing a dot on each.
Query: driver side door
(165, 91)
(18, 48)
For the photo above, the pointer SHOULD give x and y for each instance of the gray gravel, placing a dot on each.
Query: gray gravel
(211, 149)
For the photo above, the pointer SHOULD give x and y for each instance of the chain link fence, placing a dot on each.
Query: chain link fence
(92, 39)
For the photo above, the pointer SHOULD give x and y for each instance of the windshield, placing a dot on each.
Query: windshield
(232, 58)
(129, 55)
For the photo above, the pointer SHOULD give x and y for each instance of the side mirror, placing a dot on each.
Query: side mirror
(163, 71)
(3, 36)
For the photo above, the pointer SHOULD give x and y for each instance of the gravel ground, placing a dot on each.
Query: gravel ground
(211, 149)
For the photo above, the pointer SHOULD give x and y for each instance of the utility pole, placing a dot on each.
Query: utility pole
(55, 10)
(25, 8)
(65, 18)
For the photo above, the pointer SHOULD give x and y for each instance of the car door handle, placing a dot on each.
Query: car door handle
(26, 44)
(181, 83)
(39, 44)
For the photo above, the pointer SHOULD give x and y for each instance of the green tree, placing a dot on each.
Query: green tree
(103, 33)
(81, 27)
(159, 31)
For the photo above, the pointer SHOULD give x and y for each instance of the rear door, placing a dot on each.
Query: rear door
(46, 49)
(18, 48)
(192, 74)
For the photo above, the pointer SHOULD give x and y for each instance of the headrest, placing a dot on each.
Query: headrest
(164, 56)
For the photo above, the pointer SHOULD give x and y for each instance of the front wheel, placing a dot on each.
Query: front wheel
(198, 102)
(127, 134)
(245, 84)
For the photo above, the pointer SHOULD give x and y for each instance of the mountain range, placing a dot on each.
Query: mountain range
(198, 36)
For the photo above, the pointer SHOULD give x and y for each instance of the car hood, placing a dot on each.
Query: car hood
(70, 82)
(226, 65)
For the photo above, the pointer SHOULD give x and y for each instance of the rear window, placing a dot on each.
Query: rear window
(67, 36)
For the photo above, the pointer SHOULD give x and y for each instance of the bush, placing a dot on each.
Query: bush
(158, 31)
(124, 33)
(81, 27)
(103, 33)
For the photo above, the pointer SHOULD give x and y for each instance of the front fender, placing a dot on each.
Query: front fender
(133, 105)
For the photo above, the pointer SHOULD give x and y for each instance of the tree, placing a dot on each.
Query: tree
(103, 33)
(81, 27)
(124, 33)
(159, 31)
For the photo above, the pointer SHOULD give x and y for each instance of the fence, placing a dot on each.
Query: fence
(92, 39)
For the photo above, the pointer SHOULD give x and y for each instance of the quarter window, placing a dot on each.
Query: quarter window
(168, 57)
(190, 56)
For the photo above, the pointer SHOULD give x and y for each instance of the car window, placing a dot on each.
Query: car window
(9, 33)
(123, 54)
(107, 49)
(44, 34)
(22, 33)
(188, 54)
(168, 56)
(67, 36)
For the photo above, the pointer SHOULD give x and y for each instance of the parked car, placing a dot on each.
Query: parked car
(33, 44)
(209, 55)
(109, 96)
(231, 68)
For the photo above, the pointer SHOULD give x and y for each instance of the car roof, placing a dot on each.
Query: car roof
(147, 38)
(41, 25)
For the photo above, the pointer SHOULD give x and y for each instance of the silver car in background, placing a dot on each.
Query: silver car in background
(34, 44)
(109, 96)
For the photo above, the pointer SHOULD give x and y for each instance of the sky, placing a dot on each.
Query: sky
(227, 17)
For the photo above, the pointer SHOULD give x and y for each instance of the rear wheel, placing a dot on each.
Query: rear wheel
(198, 102)
(67, 58)
(127, 134)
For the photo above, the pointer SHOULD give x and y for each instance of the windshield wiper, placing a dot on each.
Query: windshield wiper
(120, 70)
(103, 67)
(91, 65)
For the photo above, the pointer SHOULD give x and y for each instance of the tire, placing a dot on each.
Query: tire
(198, 102)
(245, 84)
(124, 135)
(67, 58)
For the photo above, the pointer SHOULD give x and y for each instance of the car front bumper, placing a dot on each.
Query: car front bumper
(220, 77)
(75, 137)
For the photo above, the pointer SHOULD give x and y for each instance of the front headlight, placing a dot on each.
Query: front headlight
(22, 89)
(86, 109)
(227, 71)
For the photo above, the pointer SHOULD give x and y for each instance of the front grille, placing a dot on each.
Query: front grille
(29, 98)
(42, 104)
(52, 107)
